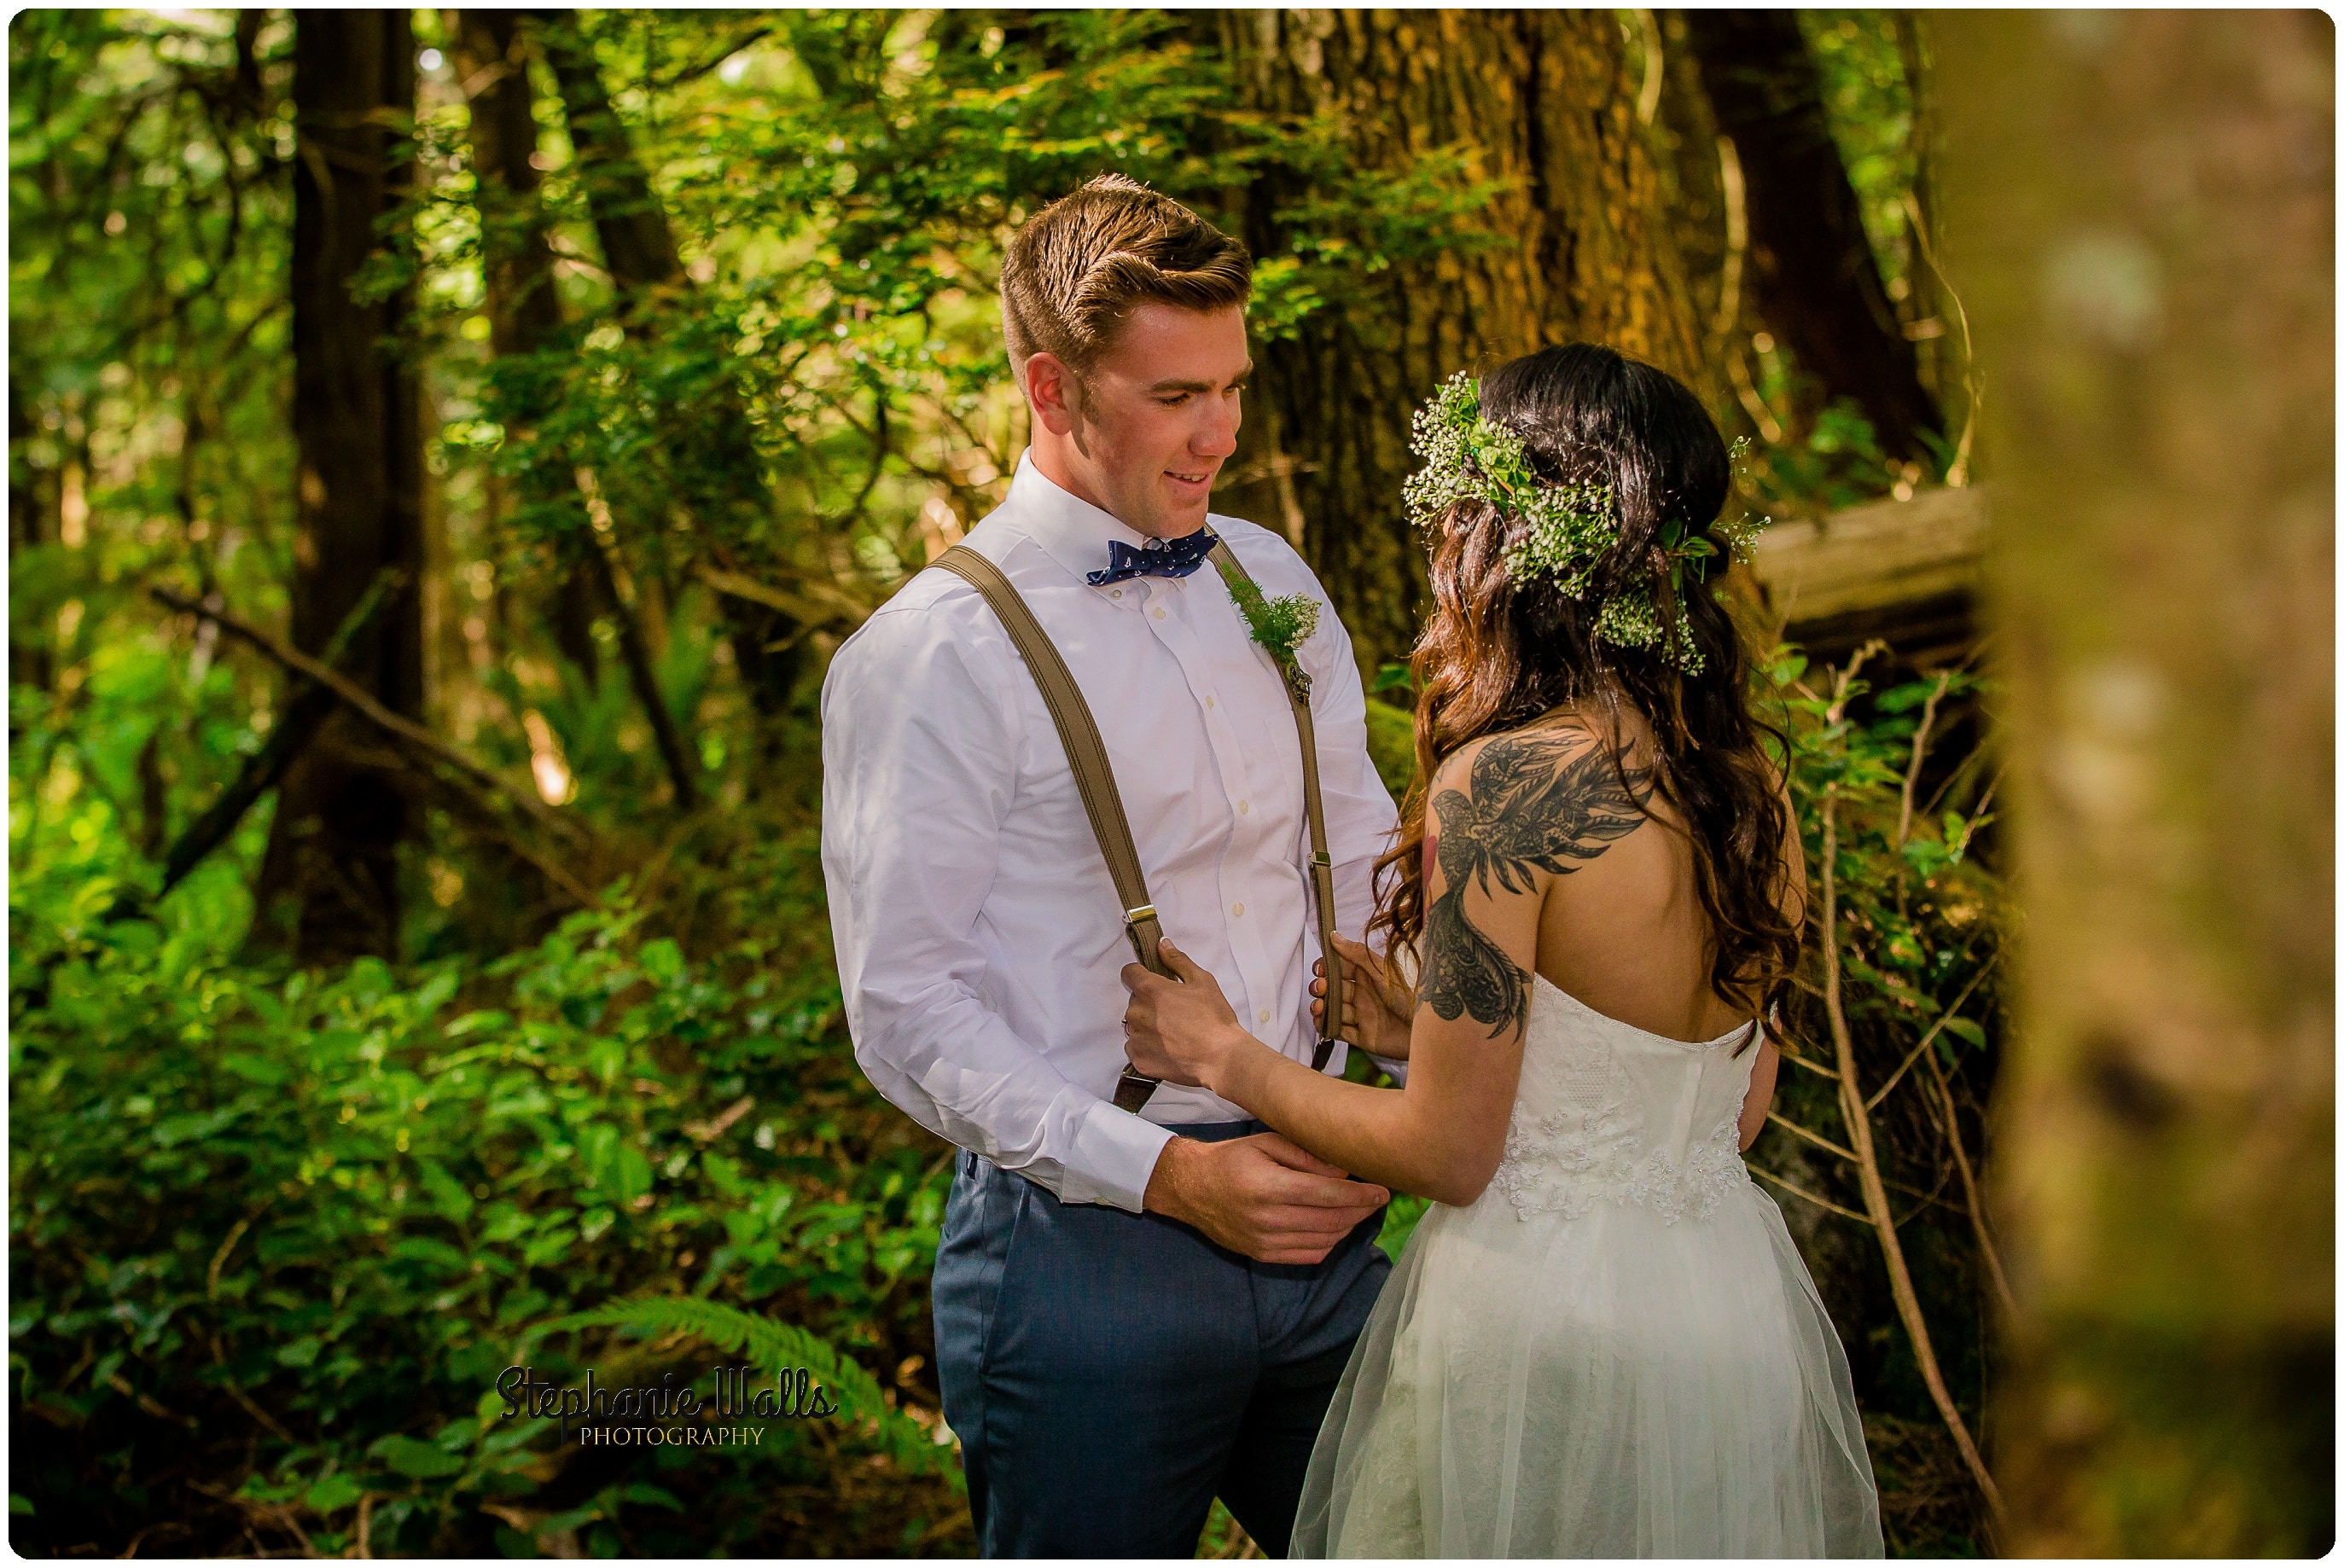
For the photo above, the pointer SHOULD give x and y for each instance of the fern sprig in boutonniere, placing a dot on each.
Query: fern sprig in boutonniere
(1281, 625)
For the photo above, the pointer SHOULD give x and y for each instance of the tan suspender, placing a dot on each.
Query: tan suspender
(1322, 867)
(1094, 776)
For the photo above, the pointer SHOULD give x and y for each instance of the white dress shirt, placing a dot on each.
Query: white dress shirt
(979, 938)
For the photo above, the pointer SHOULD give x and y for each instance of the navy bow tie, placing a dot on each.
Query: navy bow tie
(1162, 559)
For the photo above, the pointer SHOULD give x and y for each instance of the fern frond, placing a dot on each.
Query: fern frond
(770, 1346)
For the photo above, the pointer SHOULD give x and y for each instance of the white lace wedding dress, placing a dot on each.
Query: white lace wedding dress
(1614, 1351)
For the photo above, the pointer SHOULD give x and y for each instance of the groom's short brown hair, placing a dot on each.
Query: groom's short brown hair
(1081, 265)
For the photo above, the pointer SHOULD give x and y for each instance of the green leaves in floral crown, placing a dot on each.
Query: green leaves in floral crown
(1570, 527)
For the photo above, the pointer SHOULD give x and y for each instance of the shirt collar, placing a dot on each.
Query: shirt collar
(1070, 530)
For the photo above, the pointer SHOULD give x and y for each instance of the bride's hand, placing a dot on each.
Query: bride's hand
(1182, 1031)
(1378, 1007)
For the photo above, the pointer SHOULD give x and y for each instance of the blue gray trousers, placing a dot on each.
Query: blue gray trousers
(1110, 1373)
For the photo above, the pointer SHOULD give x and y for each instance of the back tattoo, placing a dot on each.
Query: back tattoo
(1533, 807)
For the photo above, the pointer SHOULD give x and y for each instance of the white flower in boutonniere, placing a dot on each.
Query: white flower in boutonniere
(1281, 625)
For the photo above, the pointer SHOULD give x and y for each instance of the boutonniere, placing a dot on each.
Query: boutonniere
(1281, 625)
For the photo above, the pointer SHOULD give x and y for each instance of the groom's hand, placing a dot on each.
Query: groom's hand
(1261, 1196)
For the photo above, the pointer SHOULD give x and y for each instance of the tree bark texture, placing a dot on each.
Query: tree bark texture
(1811, 269)
(1577, 247)
(2141, 213)
(356, 426)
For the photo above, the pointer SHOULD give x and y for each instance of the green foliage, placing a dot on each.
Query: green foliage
(1920, 918)
(840, 190)
(321, 1214)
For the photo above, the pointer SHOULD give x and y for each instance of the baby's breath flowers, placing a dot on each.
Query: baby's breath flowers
(1569, 528)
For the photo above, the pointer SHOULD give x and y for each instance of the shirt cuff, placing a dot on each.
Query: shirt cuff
(1114, 1154)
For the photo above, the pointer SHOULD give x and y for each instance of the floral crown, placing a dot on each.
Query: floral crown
(1570, 527)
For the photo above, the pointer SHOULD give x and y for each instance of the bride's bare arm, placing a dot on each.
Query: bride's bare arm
(1512, 813)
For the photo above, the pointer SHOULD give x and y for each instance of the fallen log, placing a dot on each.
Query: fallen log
(1905, 571)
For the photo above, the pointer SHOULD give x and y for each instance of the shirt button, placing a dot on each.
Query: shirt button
(1265, 1015)
(1236, 909)
(1209, 700)
(1115, 594)
(1159, 613)
(1243, 807)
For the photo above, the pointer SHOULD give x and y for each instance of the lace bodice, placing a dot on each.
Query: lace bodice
(1610, 1113)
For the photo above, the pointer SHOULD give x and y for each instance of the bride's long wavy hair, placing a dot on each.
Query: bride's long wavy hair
(1496, 655)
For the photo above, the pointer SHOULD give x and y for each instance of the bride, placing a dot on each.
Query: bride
(1599, 1341)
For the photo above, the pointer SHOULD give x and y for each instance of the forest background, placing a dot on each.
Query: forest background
(445, 447)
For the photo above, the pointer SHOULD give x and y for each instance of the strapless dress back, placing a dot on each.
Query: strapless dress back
(1614, 1351)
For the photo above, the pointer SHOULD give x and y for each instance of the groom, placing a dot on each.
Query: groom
(1135, 1312)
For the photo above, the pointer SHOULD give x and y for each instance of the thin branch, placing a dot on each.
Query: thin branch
(1799, 1191)
(367, 708)
(1943, 1018)
(1859, 1127)
(1844, 680)
(1814, 1066)
(252, 1409)
(1647, 100)
(1956, 472)
(1932, 1196)
(1822, 1142)
(305, 709)
(1817, 1139)
(236, 1234)
(823, 604)
(1920, 753)
(1977, 813)
(1968, 765)
(1986, 1249)
(667, 735)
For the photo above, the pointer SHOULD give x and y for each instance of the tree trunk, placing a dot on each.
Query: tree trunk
(356, 425)
(524, 316)
(714, 446)
(29, 509)
(524, 310)
(2142, 211)
(1812, 271)
(1544, 101)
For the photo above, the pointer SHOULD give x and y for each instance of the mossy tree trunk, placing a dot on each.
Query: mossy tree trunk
(2142, 216)
(333, 849)
(1578, 246)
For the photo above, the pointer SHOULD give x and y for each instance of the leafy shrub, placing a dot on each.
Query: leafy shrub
(274, 1239)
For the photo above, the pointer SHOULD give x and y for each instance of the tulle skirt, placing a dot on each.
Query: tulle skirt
(1604, 1385)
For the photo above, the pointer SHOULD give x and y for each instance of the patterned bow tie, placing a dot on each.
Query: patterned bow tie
(1162, 559)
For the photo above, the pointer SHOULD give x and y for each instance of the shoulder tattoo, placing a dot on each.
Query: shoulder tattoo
(1545, 801)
